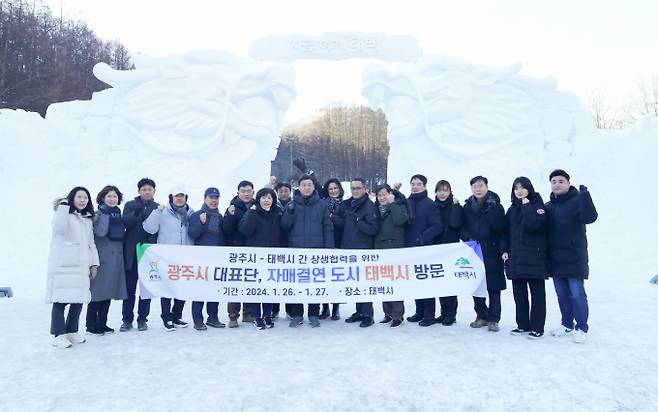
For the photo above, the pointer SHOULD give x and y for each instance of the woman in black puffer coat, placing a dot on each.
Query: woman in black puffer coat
(525, 256)
(451, 216)
(261, 227)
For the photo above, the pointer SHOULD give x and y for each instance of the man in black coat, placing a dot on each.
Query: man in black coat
(242, 201)
(569, 210)
(424, 226)
(306, 219)
(484, 221)
(360, 222)
(134, 213)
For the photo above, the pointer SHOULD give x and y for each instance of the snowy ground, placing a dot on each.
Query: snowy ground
(340, 366)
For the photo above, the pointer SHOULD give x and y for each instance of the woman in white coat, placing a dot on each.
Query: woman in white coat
(72, 261)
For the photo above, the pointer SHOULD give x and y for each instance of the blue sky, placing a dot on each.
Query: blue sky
(603, 46)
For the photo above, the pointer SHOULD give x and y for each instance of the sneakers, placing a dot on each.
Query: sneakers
(215, 323)
(355, 317)
(579, 336)
(478, 323)
(493, 327)
(106, 329)
(535, 335)
(518, 331)
(76, 338)
(233, 323)
(126, 326)
(561, 331)
(275, 315)
(62, 342)
(269, 322)
(95, 332)
(314, 321)
(366, 321)
(179, 323)
(448, 322)
(169, 326)
(427, 322)
(199, 325)
(259, 323)
(386, 319)
(396, 322)
(142, 326)
(415, 318)
(295, 321)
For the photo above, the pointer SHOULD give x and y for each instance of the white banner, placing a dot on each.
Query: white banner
(287, 275)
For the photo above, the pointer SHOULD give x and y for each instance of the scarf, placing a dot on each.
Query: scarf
(117, 229)
(333, 203)
(214, 219)
(180, 213)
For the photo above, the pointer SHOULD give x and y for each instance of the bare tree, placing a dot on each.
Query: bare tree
(644, 103)
(604, 116)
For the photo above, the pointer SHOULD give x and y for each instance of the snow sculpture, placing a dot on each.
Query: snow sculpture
(452, 119)
(203, 118)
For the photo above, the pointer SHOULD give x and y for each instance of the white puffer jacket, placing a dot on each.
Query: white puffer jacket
(72, 252)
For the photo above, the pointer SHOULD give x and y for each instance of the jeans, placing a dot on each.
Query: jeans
(572, 299)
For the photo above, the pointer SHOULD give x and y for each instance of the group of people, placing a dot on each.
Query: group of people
(93, 252)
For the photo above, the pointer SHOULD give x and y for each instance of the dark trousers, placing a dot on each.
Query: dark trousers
(530, 316)
(212, 308)
(394, 310)
(426, 308)
(233, 309)
(256, 311)
(61, 326)
(297, 309)
(276, 307)
(572, 298)
(169, 313)
(448, 308)
(128, 306)
(492, 312)
(97, 314)
(365, 309)
(334, 307)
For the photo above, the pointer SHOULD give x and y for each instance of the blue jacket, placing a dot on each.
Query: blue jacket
(424, 220)
(209, 234)
(307, 222)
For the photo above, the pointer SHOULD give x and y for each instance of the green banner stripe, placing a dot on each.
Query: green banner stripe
(141, 248)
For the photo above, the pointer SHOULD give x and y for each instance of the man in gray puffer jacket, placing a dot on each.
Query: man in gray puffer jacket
(170, 222)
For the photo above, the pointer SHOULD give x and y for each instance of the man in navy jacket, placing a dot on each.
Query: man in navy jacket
(424, 225)
(568, 211)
